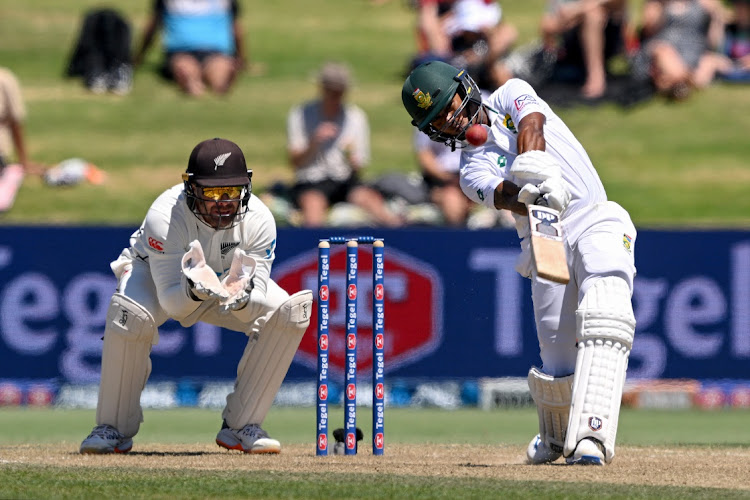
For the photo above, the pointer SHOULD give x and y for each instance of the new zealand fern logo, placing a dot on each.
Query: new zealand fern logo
(424, 101)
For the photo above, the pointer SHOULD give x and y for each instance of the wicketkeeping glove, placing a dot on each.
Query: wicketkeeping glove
(201, 281)
(238, 282)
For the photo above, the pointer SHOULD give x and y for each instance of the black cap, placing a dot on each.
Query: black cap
(217, 162)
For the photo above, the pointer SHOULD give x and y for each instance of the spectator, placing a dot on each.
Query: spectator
(203, 43)
(680, 38)
(432, 40)
(737, 44)
(585, 34)
(12, 117)
(469, 33)
(439, 167)
(328, 142)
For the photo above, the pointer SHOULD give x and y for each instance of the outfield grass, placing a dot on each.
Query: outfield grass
(403, 426)
(669, 165)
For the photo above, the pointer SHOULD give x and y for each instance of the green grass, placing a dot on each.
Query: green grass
(464, 426)
(669, 165)
(25, 482)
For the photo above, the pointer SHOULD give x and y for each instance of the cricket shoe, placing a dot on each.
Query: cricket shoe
(539, 453)
(588, 452)
(249, 439)
(106, 439)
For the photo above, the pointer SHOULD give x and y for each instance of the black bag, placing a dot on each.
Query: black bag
(103, 45)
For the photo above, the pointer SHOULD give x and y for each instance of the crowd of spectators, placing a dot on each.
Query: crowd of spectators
(587, 51)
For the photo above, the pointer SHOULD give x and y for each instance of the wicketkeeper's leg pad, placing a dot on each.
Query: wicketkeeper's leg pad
(605, 331)
(129, 333)
(552, 396)
(266, 361)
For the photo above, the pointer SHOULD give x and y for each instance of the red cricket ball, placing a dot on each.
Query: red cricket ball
(476, 135)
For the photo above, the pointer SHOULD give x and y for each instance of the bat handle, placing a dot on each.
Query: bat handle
(541, 201)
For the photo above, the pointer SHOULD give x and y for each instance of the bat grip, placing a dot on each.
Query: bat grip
(541, 201)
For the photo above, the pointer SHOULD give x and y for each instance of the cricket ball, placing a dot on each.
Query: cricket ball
(476, 135)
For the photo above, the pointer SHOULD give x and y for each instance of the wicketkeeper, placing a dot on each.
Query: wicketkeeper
(203, 253)
(585, 328)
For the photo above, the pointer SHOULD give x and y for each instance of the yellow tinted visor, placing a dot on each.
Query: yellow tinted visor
(217, 193)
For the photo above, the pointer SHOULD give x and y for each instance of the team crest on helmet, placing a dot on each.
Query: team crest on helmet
(219, 160)
(424, 101)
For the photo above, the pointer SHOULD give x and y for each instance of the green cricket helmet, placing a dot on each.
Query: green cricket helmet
(430, 88)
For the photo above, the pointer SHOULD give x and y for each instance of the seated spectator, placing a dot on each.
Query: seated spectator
(12, 140)
(439, 169)
(585, 34)
(737, 44)
(468, 33)
(12, 117)
(203, 43)
(328, 142)
(680, 39)
(570, 63)
(432, 40)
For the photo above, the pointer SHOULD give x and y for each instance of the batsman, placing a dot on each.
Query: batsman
(203, 253)
(585, 327)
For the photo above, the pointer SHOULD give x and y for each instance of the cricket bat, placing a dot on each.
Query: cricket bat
(547, 246)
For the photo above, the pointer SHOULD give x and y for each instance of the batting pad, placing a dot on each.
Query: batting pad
(128, 335)
(552, 396)
(606, 327)
(266, 360)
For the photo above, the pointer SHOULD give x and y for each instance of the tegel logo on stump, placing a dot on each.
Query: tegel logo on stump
(413, 295)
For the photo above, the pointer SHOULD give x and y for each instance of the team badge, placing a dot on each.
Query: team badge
(502, 161)
(424, 101)
(228, 246)
(219, 160)
(508, 123)
(627, 242)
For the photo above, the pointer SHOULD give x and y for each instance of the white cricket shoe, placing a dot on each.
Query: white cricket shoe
(539, 453)
(588, 452)
(106, 439)
(249, 439)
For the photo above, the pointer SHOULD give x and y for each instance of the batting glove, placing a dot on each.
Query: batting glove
(556, 193)
(535, 167)
(529, 194)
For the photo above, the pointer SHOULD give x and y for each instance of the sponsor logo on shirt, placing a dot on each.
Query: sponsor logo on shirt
(156, 244)
(269, 250)
(522, 101)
